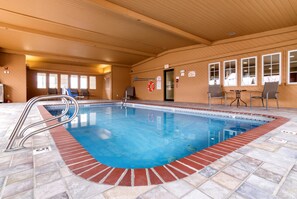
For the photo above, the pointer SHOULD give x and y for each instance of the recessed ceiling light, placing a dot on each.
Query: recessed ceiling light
(231, 33)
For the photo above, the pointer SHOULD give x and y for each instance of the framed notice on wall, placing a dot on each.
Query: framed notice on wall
(159, 83)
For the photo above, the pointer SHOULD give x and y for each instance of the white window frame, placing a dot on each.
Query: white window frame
(45, 84)
(256, 71)
(289, 68)
(280, 66)
(61, 81)
(91, 88)
(219, 80)
(233, 60)
(71, 86)
(49, 80)
(80, 82)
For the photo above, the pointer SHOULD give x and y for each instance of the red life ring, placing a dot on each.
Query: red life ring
(150, 86)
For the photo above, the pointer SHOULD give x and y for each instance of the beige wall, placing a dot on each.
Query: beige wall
(107, 86)
(141, 85)
(47, 68)
(15, 81)
(197, 58)
(120, 81)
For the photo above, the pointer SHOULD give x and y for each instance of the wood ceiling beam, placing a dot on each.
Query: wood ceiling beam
(129, 13)
(67, 58)
(4, 25)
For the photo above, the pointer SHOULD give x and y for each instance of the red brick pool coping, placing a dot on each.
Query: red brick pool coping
(80, 162)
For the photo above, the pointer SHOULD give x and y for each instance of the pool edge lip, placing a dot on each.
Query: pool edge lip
(81, 163)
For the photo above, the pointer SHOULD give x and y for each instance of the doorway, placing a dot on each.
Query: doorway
(169, 85)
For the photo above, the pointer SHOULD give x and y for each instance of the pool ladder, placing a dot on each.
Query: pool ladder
(18, 132)
(124, 100)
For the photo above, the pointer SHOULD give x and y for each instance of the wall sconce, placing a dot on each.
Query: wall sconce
(6, 71)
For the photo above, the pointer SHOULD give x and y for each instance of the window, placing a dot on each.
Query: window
(230, 73)
(249, 71)
(92, 80)
(292, 67)
(64, 81)
(271, 68)
(41, 80)
(214, 73)
(83, 82)
(74, 81)
(53, 81)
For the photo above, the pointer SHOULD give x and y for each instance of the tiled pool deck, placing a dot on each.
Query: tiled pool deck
(264, 168)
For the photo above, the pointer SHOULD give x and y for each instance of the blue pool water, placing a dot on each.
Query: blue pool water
(141, 138)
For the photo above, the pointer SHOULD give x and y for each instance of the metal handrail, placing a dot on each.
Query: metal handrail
(25, 113)
(64, 112)
(124, 100)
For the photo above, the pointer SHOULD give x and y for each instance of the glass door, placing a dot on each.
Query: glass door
(169, 85)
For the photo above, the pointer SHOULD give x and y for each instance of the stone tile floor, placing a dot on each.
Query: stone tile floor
(265, 168)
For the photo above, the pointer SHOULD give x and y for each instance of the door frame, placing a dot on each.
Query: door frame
(164, 74)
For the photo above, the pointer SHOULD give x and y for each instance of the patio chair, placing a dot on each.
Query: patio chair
(215, 91)
(84, 93)
(52, 91)
(270, 91)
(129, 93)
(71, 94)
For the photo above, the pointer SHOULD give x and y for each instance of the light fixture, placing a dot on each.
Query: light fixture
(232, 33)
(6, 71)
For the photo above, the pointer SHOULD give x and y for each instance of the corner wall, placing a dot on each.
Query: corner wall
(120, 81)
(15, 82)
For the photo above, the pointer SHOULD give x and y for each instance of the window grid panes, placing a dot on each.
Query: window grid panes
(92, 84)
(230, 73)
(64, 81)
(214, 73)
(41, 80)
(271, 68)
(83, 82)
(53, 81)
(74, 81)
(292, 76)
(249, 71)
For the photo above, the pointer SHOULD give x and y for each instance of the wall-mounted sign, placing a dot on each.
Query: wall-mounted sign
(159, 82)
(192, 74)
(182, 73)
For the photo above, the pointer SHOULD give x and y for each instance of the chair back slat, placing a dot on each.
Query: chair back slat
(215, 90)
(272, 88)
(52, 91)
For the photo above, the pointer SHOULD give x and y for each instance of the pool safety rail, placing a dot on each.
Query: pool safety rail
(18, 132)
(124, 100)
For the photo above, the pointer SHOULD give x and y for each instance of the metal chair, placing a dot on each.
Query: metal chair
(270, 91)
(84, 93)
(130, 92)
(52, 91)
(215, 91)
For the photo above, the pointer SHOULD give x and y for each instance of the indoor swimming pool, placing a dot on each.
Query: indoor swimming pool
(138, 136)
